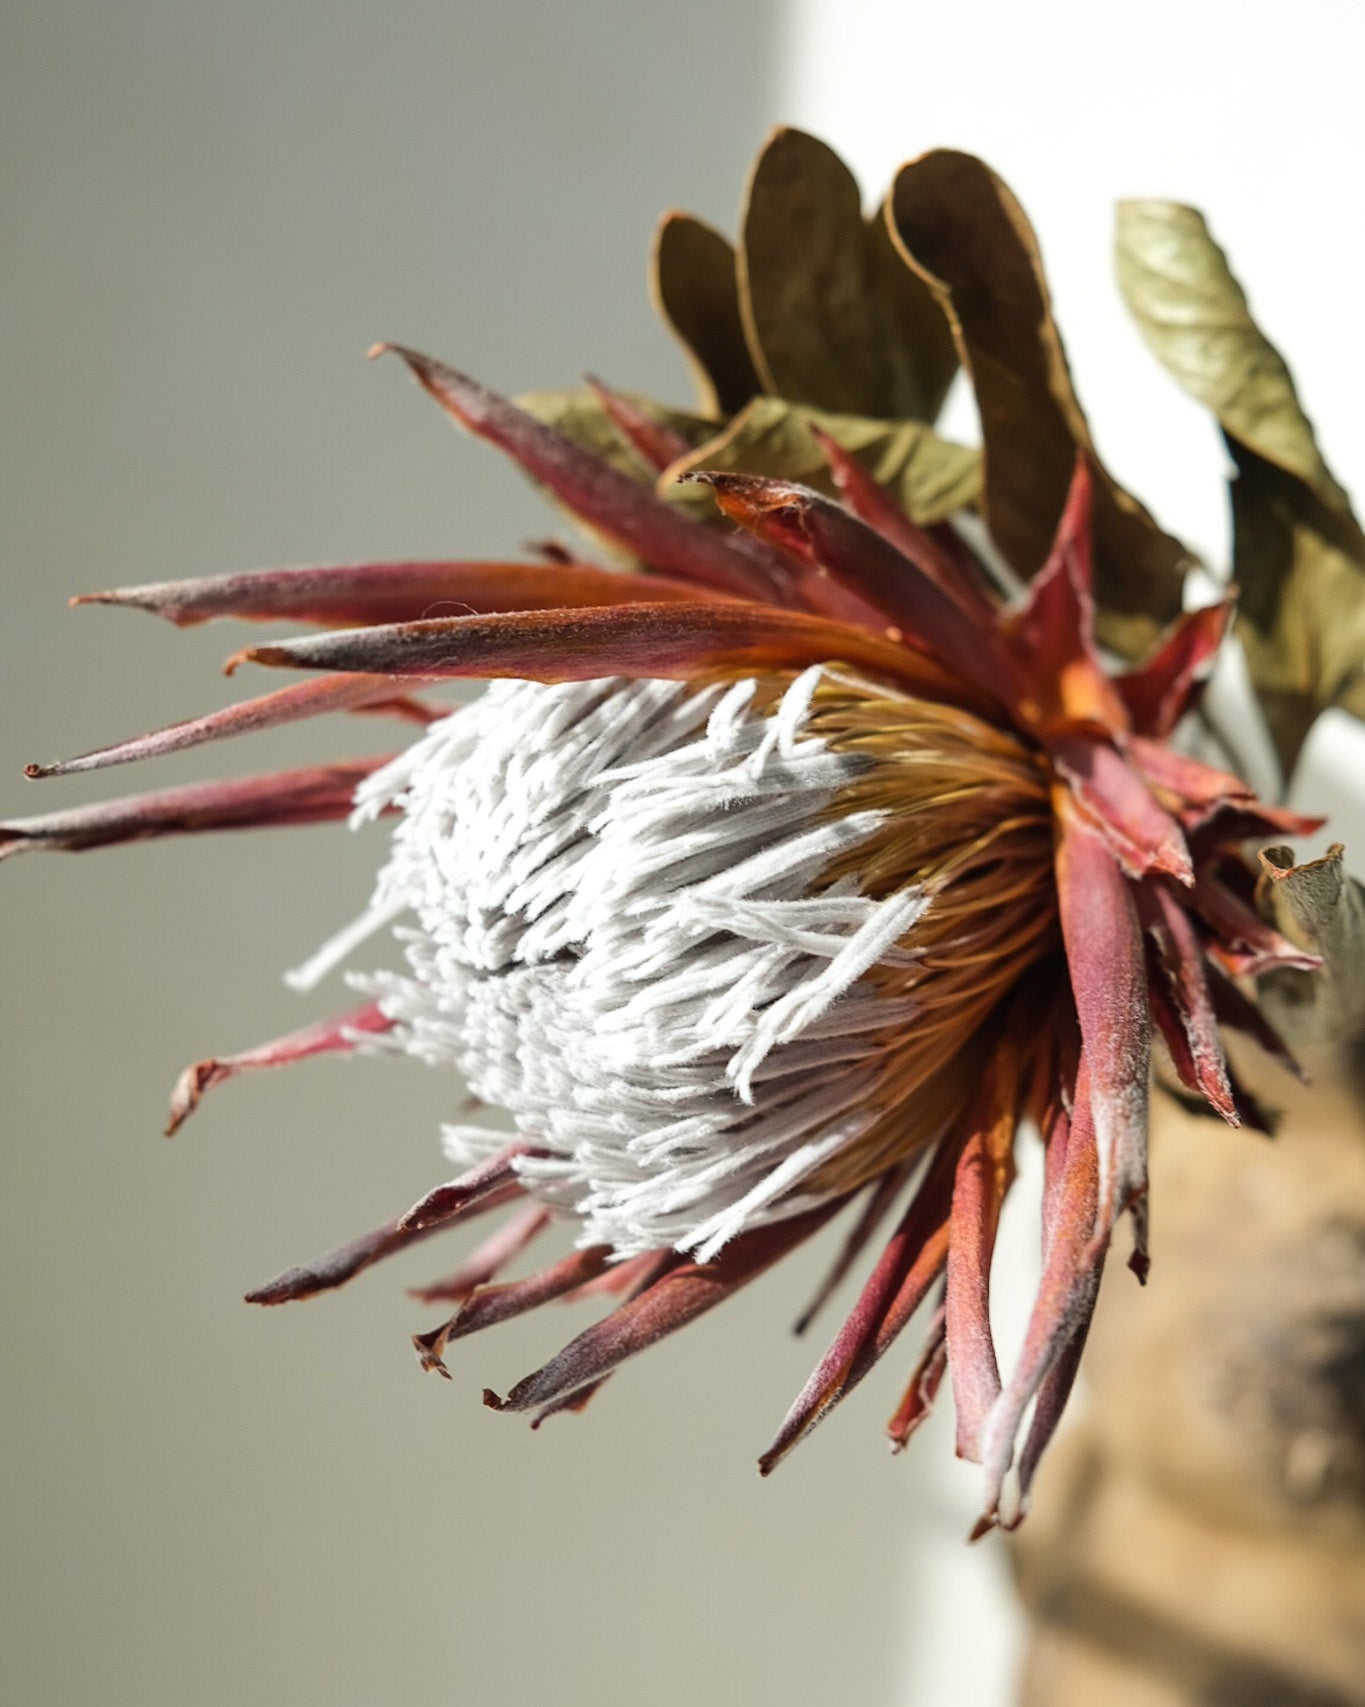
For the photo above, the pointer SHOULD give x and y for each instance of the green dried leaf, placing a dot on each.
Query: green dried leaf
(962, 229)
(1319, 907)
(1194, 317)
(1298, 551)
(833, 316)
(581, 416)
(1301, 620)
(695, 290)
(929, 477)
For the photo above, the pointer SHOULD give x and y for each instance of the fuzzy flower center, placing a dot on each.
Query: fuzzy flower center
(720, 950)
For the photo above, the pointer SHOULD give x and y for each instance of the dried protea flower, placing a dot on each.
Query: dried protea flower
(794, 871)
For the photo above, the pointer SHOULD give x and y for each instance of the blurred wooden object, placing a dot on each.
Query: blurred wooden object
(1199, 1537)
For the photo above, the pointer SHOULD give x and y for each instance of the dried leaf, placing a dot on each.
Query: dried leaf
(1194, 317)
(1298, 551)
(1301, 569)
(930, 478)
(1320, 907)
(696, 292)
(832, 315)
(960, 226)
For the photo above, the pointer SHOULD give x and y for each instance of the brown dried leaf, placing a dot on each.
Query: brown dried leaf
(832, 315)
(695, 290)
(929, 477)
(963, 230)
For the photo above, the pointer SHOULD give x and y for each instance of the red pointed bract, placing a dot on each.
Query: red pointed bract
(1168, 684)
(358, 595)
(598, 494)
(925, 1380)
(879, 1200)
(485, 1187)
(1141, 834)
(1180, 956)
(653, 441)
(1108, 977)
(452, 1198)
(851, 559)
(1244, 944)
(683, 1294)
(985, 1172)
(1053, 1392)
(319, 794)
(490, 1305)
(326, 1037)
(1065, 1301)
(249, 717)
(625, 1278)
(952, 570)
(488, 1260)
(622, 640)
(1051, 638)
(911, 1261)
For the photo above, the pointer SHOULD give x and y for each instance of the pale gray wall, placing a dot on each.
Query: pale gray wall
(209, 212)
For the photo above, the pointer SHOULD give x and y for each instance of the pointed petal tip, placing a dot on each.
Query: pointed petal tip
(429, 1348)
(188, 1093)
(274, 656)
(143, 598)
(493, 1401)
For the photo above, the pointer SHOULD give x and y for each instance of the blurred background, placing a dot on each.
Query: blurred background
(208, 214)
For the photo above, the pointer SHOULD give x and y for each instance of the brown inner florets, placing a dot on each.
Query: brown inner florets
(968, 823)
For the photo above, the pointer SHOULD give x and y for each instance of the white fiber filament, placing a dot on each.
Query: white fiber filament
(621, 931)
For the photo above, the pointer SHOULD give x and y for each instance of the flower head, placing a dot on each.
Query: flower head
(797, 870)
